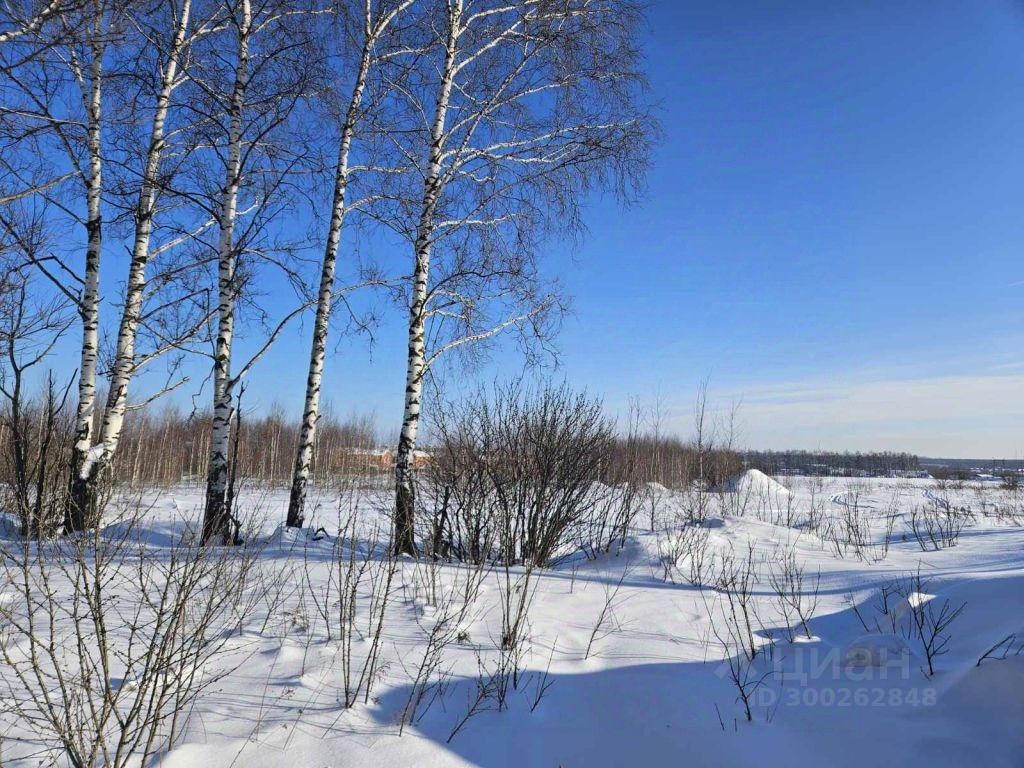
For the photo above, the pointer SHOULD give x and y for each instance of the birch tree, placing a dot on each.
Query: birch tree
(523, 106)
(165, 34)
(58, 121)
(90, 76)
(366, 28)
(271, 62)
(216, 520)
(57, 112)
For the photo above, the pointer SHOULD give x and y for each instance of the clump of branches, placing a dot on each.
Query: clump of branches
(743, 671)
(937, 525)
(447, 606)
(734, 589)
(516, 477)
(735, 582)
(618, 504)
(683, 551)
(107, 641)
(35, 430)
(930, 620)
(354, 598)
(859, 528)
(502, 674)
(607, 618)
(796, 593)
(1004, 649)
(904, 607)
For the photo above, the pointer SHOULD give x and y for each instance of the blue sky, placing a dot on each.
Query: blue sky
(832, 236)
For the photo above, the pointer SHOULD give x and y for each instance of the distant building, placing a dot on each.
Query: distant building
(379, 459)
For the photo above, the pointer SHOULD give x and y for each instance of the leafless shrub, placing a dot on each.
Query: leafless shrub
(481, 699)
(34, 431)
(816, 502)
(855, 524)
(107, 641)
(618, 502)
(502, 673)
(606, 618)
(1002, 650)
(447, 605)
(735, 634)
(684, 551)
(542, 681)
(930, 620)
(517, 590)
(743, 671)
(860, 528)
(735, 582)
(353, 599)
(903, 607)
(796, 595)
(654, 497)
(521, 471)
(937, 525)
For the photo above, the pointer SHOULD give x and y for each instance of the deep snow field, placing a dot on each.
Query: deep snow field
(654, 689)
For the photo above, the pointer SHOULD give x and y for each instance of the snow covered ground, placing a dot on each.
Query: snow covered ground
(625, 661)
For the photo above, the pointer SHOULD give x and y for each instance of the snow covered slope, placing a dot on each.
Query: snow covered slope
(622, 666)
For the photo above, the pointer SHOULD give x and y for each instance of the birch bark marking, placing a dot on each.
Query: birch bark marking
(404, 535)
(217, 520)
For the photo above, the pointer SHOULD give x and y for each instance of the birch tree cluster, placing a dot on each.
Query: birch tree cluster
(187, 180)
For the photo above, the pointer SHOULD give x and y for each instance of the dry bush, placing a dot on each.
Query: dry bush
(904, 607)
(683, 551)
(929, 620)
(354, 598)
(607, 618)
(796, 593)
(35, 443)
(500, 670)
(735, 582)
(937, 525)
(446, 603)
(107, 641)
(517, 478)
(35, 430)
(734, 592)
(859, 528)
(1002, 650)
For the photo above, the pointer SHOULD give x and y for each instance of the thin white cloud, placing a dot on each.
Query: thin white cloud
(977, 416)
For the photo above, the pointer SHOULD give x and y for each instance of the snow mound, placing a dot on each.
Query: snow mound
(756, 483)
(876, 651)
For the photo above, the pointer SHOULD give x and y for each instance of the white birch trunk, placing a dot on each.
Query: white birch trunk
(217, 520)
(404, 534)
(80, 503)
(124, 366)
(314, 377)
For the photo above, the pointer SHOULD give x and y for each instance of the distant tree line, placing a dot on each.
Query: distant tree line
(831, 463)
(167, 446)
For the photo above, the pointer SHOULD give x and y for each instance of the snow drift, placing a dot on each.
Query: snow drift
(756, 483)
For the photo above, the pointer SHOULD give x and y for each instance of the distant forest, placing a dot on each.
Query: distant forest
(831, 463)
